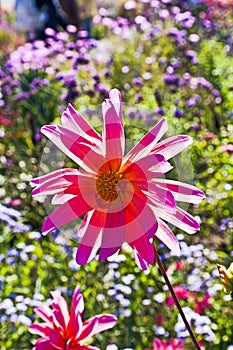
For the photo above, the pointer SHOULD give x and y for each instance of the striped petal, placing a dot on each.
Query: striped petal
(165, 235)
(180, 218)
(113, 130)
(64, 214)
(74, 121)
(148, 142)
(172, 146)
(82, 153)
(181, 191)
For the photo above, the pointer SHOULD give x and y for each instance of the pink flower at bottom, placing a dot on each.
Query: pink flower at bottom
(122, 198)
(63, 329)
(172, 344)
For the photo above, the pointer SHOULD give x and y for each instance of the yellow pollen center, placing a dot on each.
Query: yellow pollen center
(106, 185)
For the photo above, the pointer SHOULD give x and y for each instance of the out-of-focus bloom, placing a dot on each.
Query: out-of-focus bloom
(181, 293)
(122, 197)
(201, 305)
(62, 329)
(172, 344)
(226, 277)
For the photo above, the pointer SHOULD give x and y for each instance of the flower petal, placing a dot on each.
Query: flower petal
(45, 313)
(144, 249)
(43, 344)
(74, 146)
(73, 120)
(180, 219)
(181, 191)
(95, 325)
(60, 311)
(172, 146)
(141, 263)
(165, 235)
(148, 142)
(113, 130)
(42, 329)
(90, 230)
(160, 198)
(64, 214)
(57, 340)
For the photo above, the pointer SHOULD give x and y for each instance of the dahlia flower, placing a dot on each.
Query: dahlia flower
(62, 329)
(173, 344)
(122, 198)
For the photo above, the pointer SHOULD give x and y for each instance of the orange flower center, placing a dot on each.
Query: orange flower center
(106, 184)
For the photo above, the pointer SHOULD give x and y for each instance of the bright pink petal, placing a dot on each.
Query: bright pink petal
(84, 347)
(73, 120)
(165, 235)
(57, 340)
(43, 344)
(113, 233)
(140, 220)
(89, 231)
(113, 130)
(141, 263)
(144, 249)
(74, 146)
(172, 146)
(64, 214)
(77, 307)
(77, 301)
(180, 219)
(181, 191)
(160, 198)
(96, 325)
(45, 313)
(66, 174)
(148, 142)
(60, 311)
(75, 326)
(42, 329)
(146, 169)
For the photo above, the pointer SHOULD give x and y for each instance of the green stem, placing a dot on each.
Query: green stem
(187, 325)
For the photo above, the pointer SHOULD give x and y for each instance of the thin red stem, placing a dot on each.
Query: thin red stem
(187, 325)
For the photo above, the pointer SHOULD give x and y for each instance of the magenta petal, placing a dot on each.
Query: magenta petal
(95, 325)
(43, 344)
(75, 325)
(83, 254)
(73, 120)
(181, 191)
(107, 252)
(42, 329)
(144, 249)
(172, 146)
(57, 340)
(165, 235)
(180, 219)
(45, 313)
(67, 212)
(141, 263)
(113, 130)
(148, 142)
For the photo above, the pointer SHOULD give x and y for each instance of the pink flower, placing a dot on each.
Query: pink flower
(172, 344)
(181, 293)
(201, 305)
(122, 197)
(62, 329)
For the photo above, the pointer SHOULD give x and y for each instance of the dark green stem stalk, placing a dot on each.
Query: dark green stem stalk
(187, 325)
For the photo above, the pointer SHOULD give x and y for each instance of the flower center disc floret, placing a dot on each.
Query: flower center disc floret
(106, 184)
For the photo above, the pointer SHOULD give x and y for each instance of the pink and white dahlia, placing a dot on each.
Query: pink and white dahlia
(122, 198)
(64, 329)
